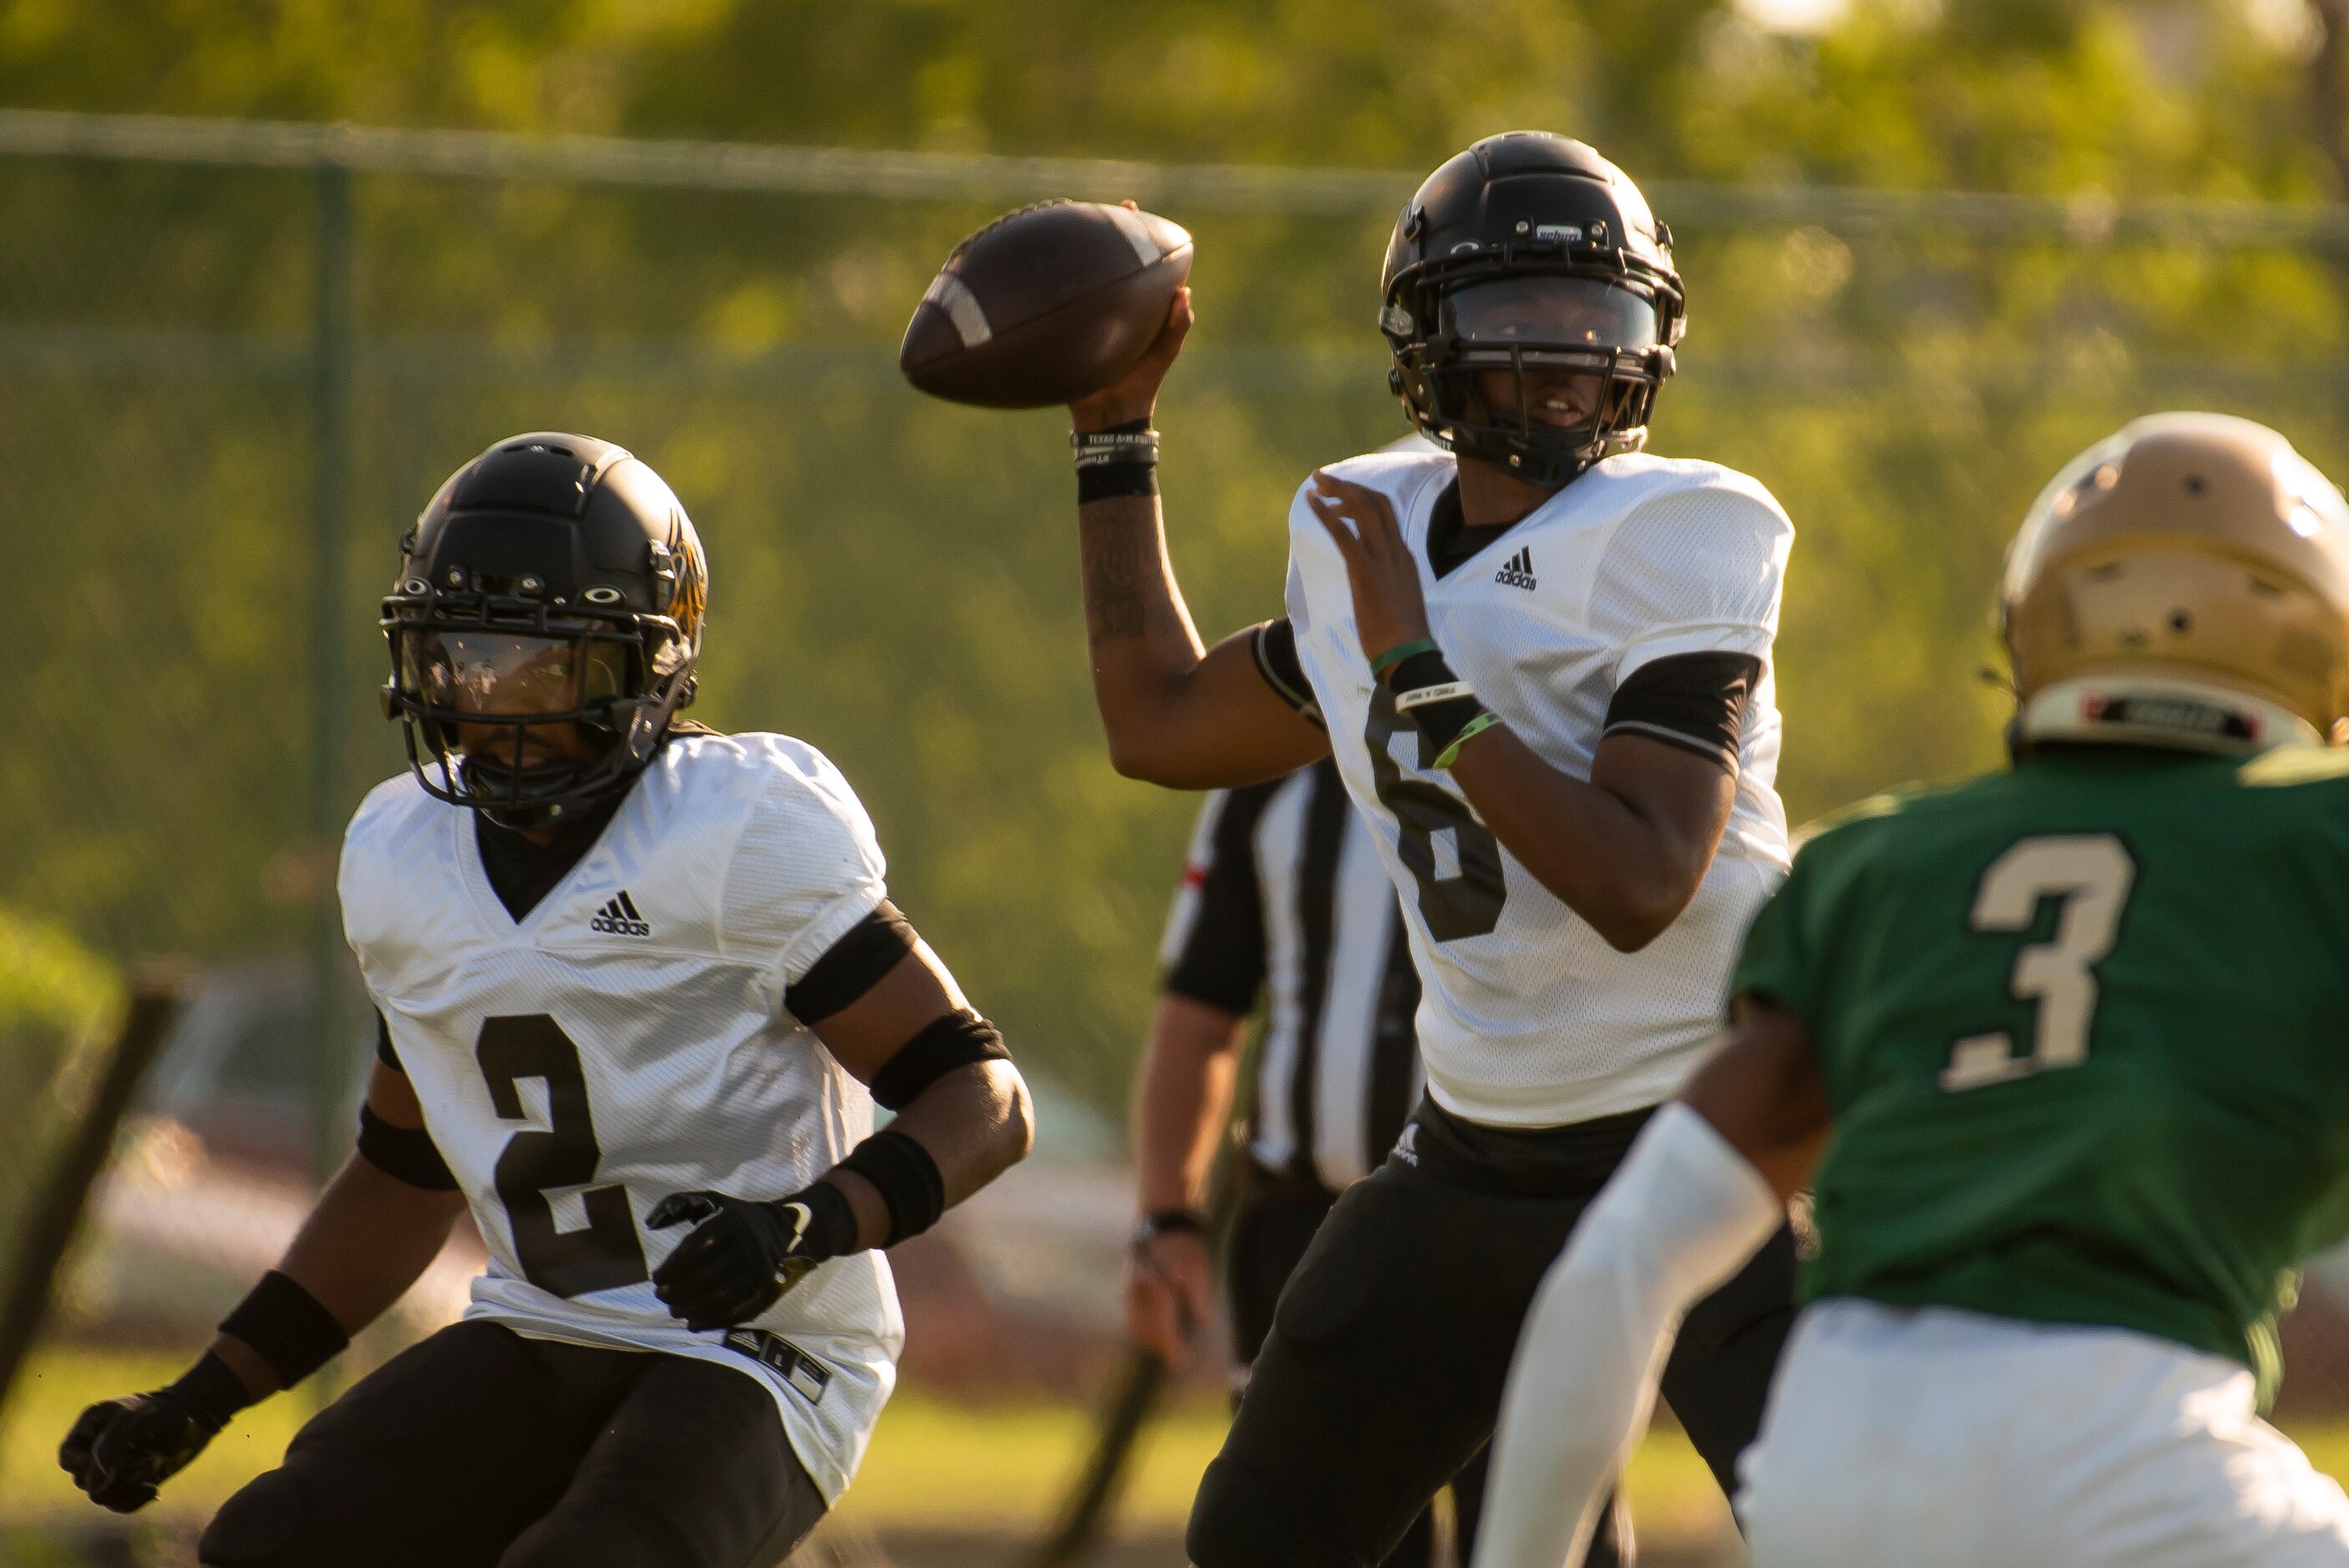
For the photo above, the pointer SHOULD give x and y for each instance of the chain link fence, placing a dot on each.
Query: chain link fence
(236, 359)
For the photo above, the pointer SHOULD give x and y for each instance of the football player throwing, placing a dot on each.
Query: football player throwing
(1542, 661)
(639, 987)
(2062, 1049)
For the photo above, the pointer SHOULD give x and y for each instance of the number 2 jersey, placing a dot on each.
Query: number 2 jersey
(2084, 1025)
(1527, 1017)
(627, 1039)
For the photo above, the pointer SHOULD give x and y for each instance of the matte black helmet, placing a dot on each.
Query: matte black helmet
(1532, 256)
(553, 581)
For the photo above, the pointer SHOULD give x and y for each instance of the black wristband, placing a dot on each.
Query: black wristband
(1439, 722)
(287, 1327)
(1170, 1222)
(1110, 480)
(212, 1390)
(908, 1180)
(832, 1222)
(1119, 460)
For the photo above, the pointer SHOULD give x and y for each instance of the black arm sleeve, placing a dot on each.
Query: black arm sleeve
(1216, 948)
(852, 965)
(405, 1153)
(1694, 701)
(383, 1051)
(1275, 646)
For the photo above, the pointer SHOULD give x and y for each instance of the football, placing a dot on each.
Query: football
(1045, 304)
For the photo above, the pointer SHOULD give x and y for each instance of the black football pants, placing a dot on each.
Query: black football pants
(1275, 1222)
(1383, 1375)
(480, 1448)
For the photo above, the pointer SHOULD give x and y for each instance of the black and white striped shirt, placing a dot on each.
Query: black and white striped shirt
(1284, 897)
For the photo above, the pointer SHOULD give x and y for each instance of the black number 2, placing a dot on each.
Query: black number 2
(605, 1252)
(1467, 904)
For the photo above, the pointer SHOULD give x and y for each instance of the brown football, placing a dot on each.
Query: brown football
(1045, 304)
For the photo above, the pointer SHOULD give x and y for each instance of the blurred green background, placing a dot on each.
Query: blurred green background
(893, 579)
(208, 447)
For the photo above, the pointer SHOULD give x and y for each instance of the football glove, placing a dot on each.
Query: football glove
(743, 1255)
(120, 1450)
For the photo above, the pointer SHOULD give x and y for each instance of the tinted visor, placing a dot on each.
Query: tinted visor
(1533, 313)
(500, 674)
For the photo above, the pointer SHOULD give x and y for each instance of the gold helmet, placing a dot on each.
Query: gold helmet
(2183, 582)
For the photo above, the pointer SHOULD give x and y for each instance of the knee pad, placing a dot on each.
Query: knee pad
(259, 1527)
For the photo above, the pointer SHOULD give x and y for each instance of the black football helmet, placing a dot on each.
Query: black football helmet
(1531, 254)
(553, 581)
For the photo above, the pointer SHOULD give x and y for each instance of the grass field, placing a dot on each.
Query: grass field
(934, 1465)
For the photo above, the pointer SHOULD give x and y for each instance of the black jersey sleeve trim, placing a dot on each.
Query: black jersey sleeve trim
(383, 1051)
(1274, 644)
(1221, 960)
(1693, 701)
(852, 965)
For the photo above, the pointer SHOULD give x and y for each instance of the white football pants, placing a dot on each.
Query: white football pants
(1939, 1439)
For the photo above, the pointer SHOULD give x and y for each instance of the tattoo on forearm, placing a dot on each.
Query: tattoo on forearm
(1124, 584)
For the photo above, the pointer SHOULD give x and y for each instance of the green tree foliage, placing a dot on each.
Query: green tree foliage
(894, 579)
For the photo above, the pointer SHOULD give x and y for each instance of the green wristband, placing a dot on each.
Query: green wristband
(1476, 726)
(1401, 652)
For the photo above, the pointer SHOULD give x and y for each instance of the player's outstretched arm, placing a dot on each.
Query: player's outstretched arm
(1704, 1187)
(963, 1118)
(1177, 713)
(371, 1234)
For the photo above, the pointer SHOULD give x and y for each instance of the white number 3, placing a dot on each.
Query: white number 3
(2091, 873)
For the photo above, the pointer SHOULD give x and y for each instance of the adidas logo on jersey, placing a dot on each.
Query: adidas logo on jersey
(620, 918)
(1520, 571)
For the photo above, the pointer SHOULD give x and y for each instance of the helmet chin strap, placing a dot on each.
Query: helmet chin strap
(2152, 710)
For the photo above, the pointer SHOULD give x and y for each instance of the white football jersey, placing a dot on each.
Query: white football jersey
(1527, 1017)
(627, 1040)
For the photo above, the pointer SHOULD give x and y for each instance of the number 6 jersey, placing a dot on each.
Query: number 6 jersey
(626, 1040)
(1527, 1017)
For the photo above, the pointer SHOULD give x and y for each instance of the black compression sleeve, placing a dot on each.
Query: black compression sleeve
(1275, 648)
(405, 1153)
(852, 965)
(1694, 701)
(956, 1040)
(383, 1051)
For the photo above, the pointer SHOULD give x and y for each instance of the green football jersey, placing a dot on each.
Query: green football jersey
(2085, 1028)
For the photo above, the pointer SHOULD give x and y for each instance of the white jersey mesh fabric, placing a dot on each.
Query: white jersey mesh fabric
(1528, 1018)
(626, 1040)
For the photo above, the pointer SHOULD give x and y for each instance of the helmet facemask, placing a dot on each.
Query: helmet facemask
(523, 711)
(1538, 375)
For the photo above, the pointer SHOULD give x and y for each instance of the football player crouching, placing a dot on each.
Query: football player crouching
(640, 987)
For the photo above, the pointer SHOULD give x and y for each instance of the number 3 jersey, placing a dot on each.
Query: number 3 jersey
(626, 1040)
(1527, 1017)
(2085, 1031)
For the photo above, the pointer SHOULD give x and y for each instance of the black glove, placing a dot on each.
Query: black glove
(743, 1255)
(121, 1450)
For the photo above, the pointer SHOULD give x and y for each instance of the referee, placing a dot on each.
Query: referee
(1283, 896)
